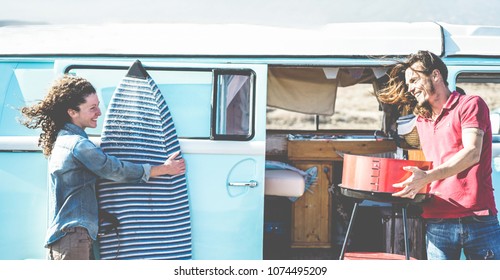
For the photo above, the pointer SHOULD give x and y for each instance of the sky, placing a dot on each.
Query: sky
(292, 13)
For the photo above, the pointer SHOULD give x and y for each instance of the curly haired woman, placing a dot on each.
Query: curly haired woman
(75, 163)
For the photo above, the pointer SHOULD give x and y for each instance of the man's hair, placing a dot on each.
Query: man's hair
(50, 114)
(396, 92)
(430, 62)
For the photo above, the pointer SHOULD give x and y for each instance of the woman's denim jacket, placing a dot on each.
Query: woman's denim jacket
(74, 167)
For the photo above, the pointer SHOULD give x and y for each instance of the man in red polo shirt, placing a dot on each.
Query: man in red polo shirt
(455, 134)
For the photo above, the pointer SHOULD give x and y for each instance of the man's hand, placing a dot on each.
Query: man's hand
(411, 186)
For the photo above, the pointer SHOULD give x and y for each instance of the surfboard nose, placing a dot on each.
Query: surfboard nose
(137, 71)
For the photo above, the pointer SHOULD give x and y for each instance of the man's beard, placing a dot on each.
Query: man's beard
(424, 109)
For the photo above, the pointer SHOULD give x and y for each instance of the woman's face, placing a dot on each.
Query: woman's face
(88, 114)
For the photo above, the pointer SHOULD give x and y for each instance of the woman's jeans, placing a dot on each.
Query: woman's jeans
(75, 245)
(478, 236)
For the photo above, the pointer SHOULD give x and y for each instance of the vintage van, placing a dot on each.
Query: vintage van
(304, 97)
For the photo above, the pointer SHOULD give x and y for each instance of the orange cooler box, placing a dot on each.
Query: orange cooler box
(373, 174)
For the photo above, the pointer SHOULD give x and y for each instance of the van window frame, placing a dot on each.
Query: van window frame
(481, 76)
(216, 73)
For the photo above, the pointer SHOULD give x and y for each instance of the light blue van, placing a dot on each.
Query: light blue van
(305, 94)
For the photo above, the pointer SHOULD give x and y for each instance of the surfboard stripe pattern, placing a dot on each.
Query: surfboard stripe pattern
(154, 217)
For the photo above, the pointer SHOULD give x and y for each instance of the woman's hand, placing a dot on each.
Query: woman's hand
(171, 166)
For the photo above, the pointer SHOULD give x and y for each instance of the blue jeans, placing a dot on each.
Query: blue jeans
(478, 236)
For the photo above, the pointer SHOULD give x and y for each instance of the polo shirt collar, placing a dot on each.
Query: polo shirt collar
(452, 100)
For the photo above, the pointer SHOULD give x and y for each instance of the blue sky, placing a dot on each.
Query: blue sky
(296, 13)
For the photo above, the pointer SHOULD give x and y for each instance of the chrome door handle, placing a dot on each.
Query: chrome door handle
(251, 184)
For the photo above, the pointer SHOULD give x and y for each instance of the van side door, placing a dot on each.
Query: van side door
(219, 114)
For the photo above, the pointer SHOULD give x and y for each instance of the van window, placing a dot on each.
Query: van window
(233, 99)
(324, 98)
(486, 85)
(356, 108)
(23, 84)
(188, 94)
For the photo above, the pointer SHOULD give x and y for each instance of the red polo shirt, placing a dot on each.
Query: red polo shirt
(469, 192)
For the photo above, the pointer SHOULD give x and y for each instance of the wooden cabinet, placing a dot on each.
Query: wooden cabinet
(311, 213)
(332, 150)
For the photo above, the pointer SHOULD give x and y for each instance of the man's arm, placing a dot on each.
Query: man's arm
(472, 139)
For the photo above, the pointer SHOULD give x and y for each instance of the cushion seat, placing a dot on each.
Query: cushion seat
(284, 183)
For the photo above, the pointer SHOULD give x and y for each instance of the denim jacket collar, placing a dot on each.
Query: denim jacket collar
(75, 129)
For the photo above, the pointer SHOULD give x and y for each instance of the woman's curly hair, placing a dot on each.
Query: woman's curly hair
(50, 114)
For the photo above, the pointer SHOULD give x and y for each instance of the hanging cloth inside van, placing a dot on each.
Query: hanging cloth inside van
(311, 90)
(304, 90)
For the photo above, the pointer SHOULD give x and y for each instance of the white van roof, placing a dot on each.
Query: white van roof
(338, 39)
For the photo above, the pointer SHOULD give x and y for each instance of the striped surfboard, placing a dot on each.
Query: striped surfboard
(154, 217)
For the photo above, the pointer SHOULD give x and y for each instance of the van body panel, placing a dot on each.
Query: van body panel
(23, 210)
(340, 39)
(462, 40)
